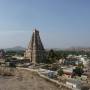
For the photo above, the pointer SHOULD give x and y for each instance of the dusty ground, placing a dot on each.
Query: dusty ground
(27, 81)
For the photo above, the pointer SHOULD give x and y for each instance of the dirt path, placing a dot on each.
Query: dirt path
(27, 81)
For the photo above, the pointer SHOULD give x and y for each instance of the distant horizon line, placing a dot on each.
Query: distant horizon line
(72, 47)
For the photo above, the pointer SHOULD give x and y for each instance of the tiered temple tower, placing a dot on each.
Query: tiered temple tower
(35, 51)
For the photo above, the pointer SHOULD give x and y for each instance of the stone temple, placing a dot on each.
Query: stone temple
(35, 51)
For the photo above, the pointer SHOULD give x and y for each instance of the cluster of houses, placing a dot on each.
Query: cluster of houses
(69, 64)
(74, 60)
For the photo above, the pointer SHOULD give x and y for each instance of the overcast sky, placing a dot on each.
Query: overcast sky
(62, 23)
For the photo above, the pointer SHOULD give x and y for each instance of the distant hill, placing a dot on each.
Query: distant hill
(17, 48)
(87, 49)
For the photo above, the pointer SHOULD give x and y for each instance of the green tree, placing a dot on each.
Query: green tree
(60, 72)
(52, 56)
(78, 71)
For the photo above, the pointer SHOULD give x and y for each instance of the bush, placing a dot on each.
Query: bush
(78, 71)
(60, 72)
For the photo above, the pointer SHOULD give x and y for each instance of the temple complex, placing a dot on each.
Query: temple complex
(35, 51)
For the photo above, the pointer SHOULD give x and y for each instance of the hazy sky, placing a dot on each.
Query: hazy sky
(62, 23)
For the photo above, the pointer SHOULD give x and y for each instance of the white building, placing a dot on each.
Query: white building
(77, 59)
(18, 57)
(72, 83)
